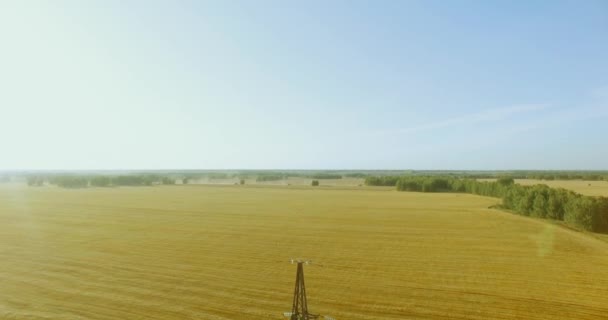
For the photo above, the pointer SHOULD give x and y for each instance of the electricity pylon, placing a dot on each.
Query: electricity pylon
(299, 308)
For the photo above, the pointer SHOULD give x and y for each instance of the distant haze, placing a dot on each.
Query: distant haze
(303, 85)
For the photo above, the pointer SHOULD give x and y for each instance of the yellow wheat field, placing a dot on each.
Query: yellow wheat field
(222, 252)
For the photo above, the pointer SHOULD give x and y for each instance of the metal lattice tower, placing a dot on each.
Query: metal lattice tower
(299, 308)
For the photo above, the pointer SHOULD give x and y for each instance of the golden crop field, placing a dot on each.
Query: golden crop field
(222, 252)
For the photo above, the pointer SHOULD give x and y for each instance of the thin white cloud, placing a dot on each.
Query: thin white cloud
(558, 118)
(600, 93)
(563, 117)
(490, 115)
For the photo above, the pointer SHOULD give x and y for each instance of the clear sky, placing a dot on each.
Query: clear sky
(304, 84)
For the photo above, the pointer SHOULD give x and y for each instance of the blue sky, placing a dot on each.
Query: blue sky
(304, 85)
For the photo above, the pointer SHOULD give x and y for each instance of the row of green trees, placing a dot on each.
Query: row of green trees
(541, 201)
(537, 175)
(219, 175)
(69, 181)
(321, 176)
(35, 181)
(390, 181)
(269, 177)
(451, 184)
(589, 213)
(76, 181)
(355, 175)
(540, 175)
(568, 176)
(282, 176)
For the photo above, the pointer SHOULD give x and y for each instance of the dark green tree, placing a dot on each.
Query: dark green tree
(505, 181)
(167, 181)
(101, 181)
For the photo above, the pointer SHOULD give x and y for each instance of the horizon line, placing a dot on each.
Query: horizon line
(296, 169)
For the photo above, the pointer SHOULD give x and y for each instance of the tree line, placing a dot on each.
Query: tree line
(321, 176)
(35, 181)
(269, 177)
(518, 174)
(387, 181)
(565, 176)
(77, 181)
(585, 212)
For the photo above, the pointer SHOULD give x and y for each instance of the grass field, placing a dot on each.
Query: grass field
(222, 252)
